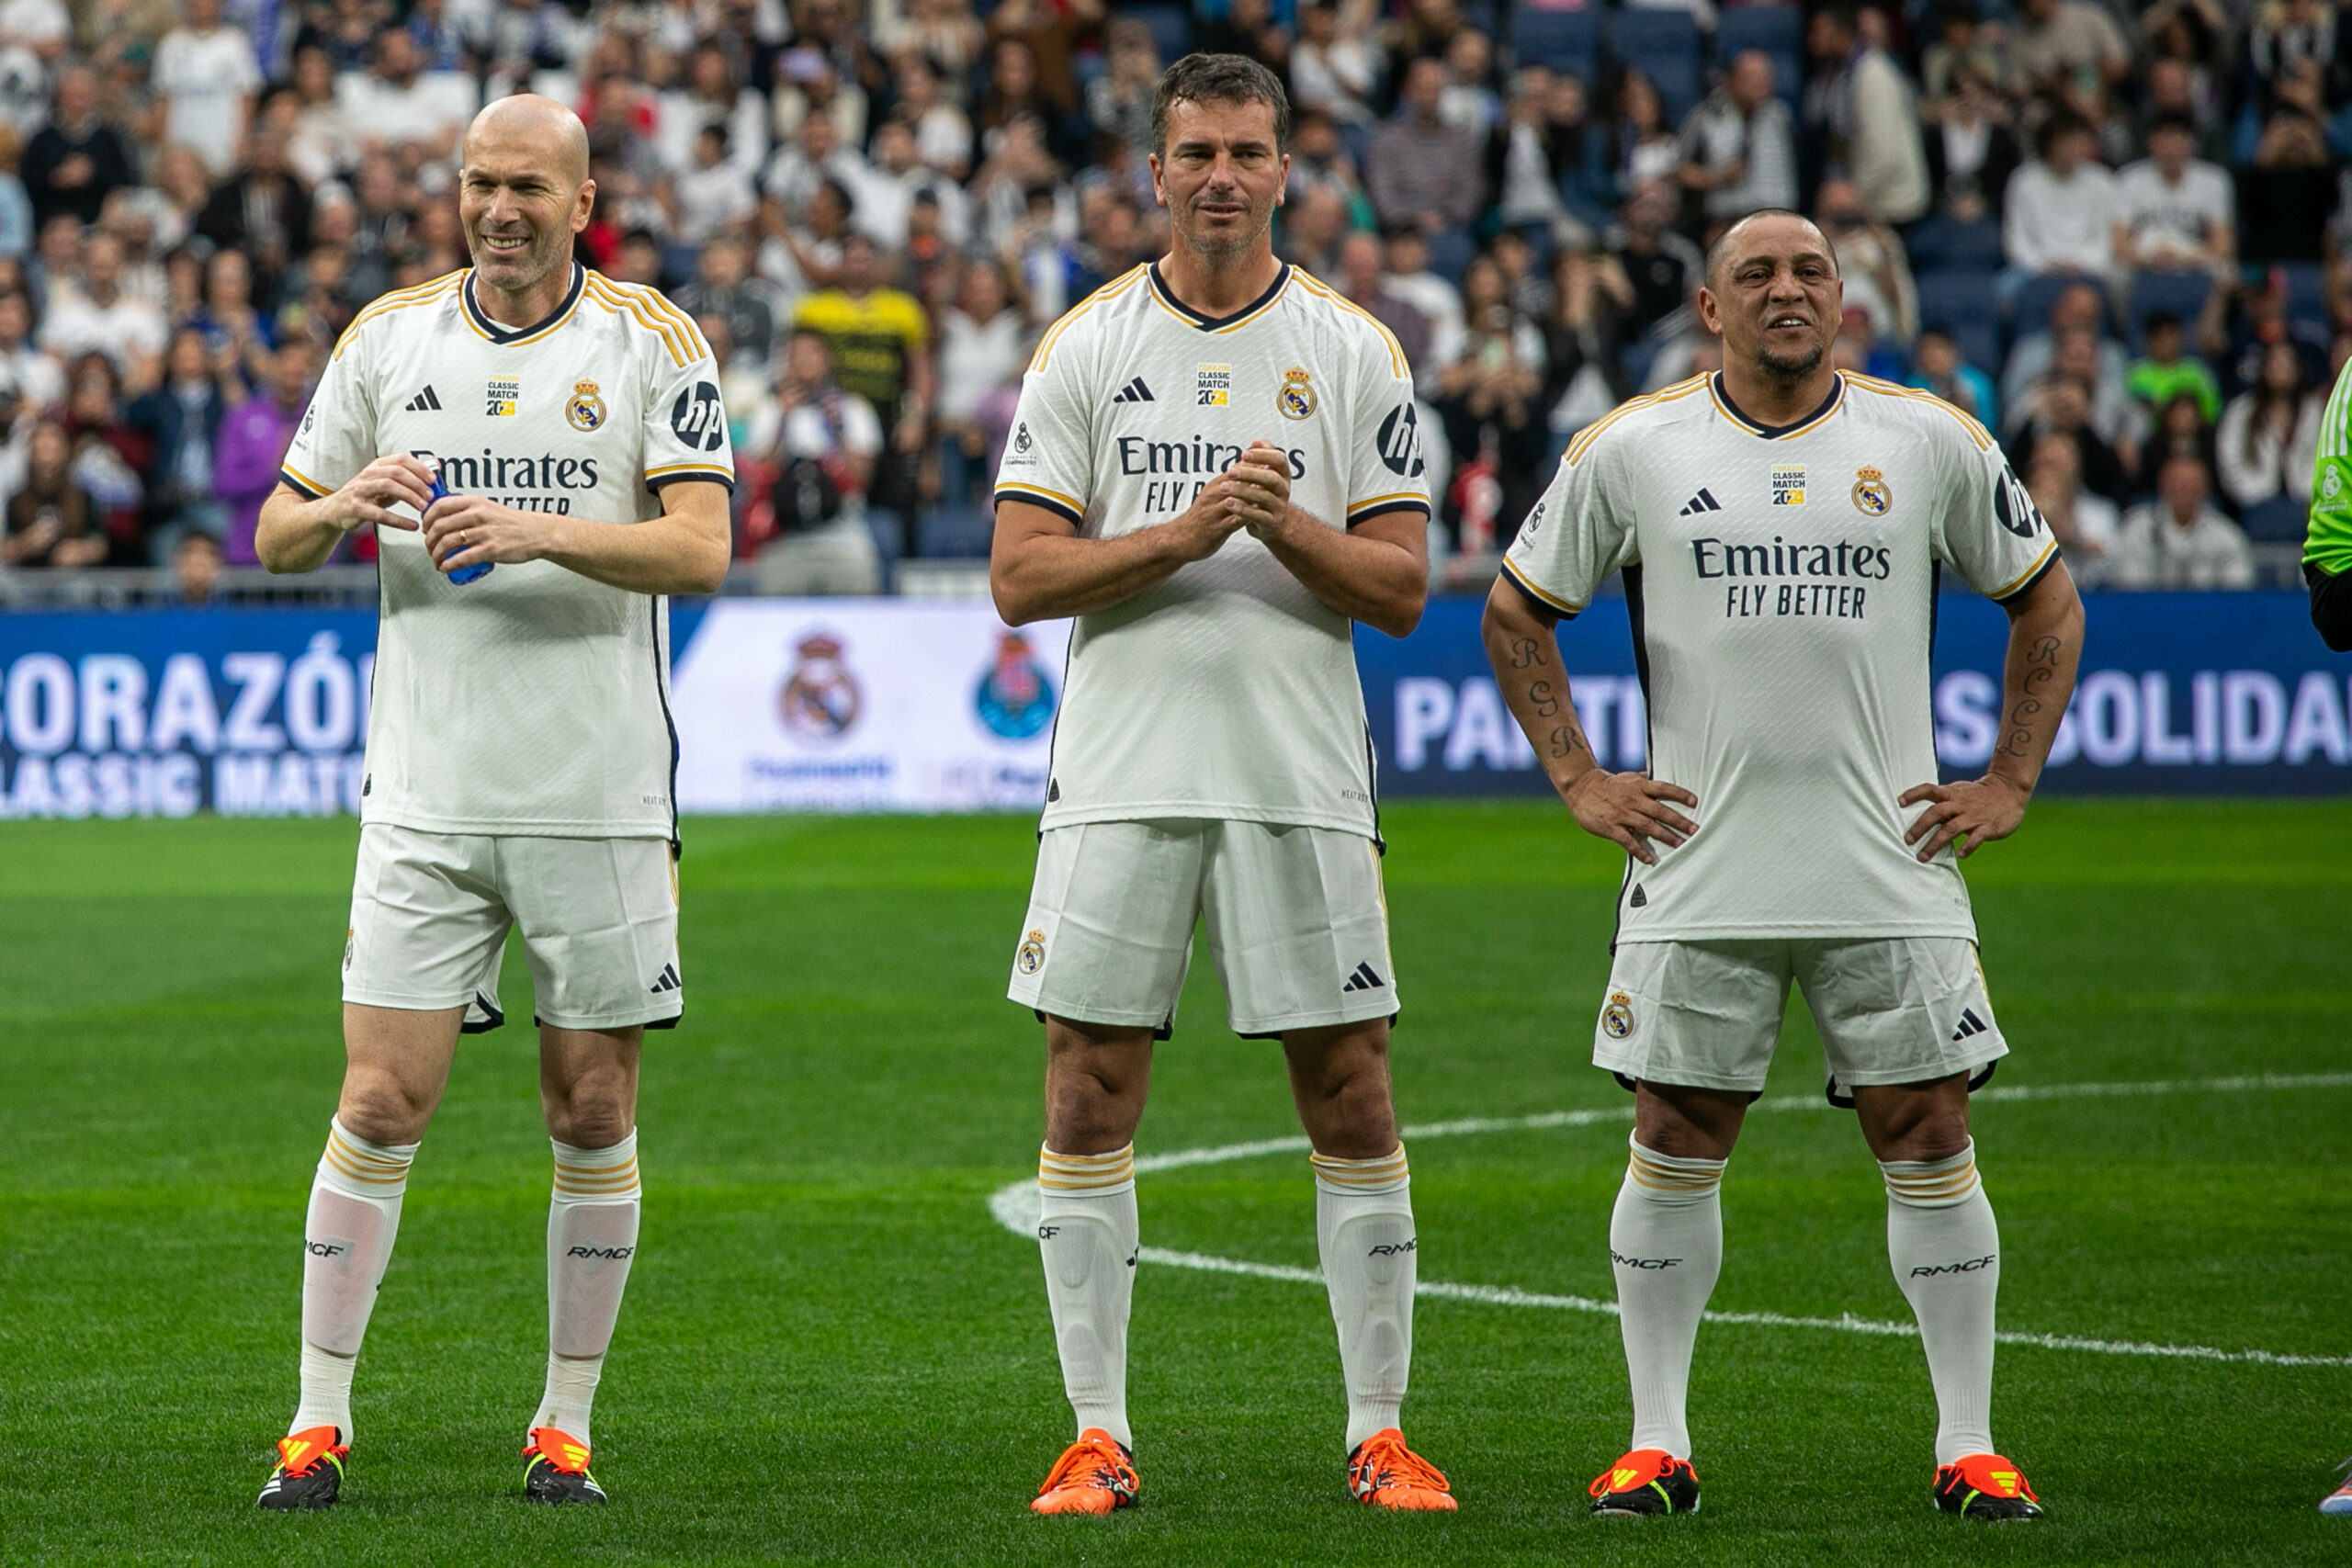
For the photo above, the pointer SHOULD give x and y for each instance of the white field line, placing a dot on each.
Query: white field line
(1015, 1208)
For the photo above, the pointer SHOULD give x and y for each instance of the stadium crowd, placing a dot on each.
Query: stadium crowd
(2116, 236)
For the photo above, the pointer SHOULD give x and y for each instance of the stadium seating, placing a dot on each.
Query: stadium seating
(1777, 31)
(1171, 28)
(1563, 41)
(1964, 305)
(2278, 521)
(1664, 47)
(1944, 244)
(953, 531)
(2179, 294)
(2306, 291)
(2029, 311)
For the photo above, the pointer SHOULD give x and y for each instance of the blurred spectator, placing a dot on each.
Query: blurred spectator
(1864, 115)
(399, 104)
(1013, 93)
(2061, 211)
(53, 521)
(16, 206)
(110, 457)
(77, 160)
(725, 286)
(24, 368)
(1469, 101)
(2052, 43)
(713, 94)
(2268, 441)
(2294, 56)
(205, 78)
(2170, 371)
(180, 421)
(1312, 223)
(2178, 540)
(1581, 376)
(1423, 172)
(1877, 272)
(1661, 268)
(1490, 402)
(1247, 27)
(1964, 47)
(712, 197)
(2079, 307)
(2059, 408)
(254, 433)
(1939, 367)
(942, 136)
(1647, 152)
(1971, 151)
(983, 346)
(943, 30)
(2176, 213)
(1333, 66)
(2285, 195)
(1739, 147)
(195, 569)
(880, 341)
(2181, 430)
(1409, 277)
(2082, 522)
(813, 157)
(1360, 279)
(95, 316)
(261, 209)
(1119, 100)
(896, 179)
(817, 444)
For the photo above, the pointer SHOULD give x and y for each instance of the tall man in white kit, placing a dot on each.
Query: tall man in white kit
(1781, 528)
(520, 755)
(1215, 468)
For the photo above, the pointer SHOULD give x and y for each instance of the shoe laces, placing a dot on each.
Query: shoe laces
(560, 1449)
(1631, 1472)
(298, 1454)
(1387, 1462)
(1084, 1460)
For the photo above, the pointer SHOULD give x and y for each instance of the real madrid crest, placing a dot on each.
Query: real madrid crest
(1296, 398)
(1032, 956)
(1617, 1018)
(1870, 492)
(585, 410)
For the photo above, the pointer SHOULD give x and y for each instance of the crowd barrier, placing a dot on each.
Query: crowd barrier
(894, 705)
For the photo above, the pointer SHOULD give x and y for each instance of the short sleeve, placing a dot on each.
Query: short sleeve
(1050, 457)
(337, 435)
(1990, 532)
(1386, 470)
(685, 420)
(1578, 534)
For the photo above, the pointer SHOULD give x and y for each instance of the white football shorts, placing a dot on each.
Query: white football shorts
(1296, 922)
(1893, 1011)
(599, 918)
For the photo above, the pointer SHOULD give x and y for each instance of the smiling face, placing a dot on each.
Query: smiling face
(1220, 174)
(1774, 294)
(525, 190)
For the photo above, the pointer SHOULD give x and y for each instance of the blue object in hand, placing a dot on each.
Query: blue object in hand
(464, 574)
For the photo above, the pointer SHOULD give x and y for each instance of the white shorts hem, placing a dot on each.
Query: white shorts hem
(1326, 1018)
(1683, 1078)
(402, 1003)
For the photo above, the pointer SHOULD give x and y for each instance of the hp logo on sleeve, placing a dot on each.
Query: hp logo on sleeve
(698, 419)
(1400, 442)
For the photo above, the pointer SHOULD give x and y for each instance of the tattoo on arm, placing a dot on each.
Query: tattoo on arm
(1526, 652)
(1566, 741)
(1547, 703)
(2040, 669)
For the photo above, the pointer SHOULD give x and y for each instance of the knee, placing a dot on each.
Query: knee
(590, 1118)
(378, 1108)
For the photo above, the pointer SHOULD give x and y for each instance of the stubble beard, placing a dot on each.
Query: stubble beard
(1789, 370)
(1218, 250)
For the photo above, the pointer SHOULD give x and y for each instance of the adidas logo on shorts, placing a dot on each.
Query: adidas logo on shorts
(1364, 979)
(667, 980)
(1969, 1024)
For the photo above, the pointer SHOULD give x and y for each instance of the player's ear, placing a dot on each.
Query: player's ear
(1282, 191)
(1157, 194)
(583, 205)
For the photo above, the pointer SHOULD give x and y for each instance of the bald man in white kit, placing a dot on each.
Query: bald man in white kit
(520, 753)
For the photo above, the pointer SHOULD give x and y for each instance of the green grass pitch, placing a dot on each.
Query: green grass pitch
(833, 1353)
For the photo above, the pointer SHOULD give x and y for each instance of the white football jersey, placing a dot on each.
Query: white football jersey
(533, 701)
(1782, 588)
(1226, 689)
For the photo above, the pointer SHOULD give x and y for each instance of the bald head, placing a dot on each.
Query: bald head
(1766, 226)
(534, 129)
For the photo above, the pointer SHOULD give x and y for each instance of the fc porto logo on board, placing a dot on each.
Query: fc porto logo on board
(584, 410)
(821, 699)
(1296, 398)
(1872, 496)
(698, 419)
(1016, 696)
(1617, 1018)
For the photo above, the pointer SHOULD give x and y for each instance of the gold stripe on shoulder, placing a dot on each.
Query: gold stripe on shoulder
(1330, 296)
(422, 294)
(661, 304)
(1521, 576)
(2026, 576)
(620, 306)
(1667, 394)
(1976, 431)
(1117, 285)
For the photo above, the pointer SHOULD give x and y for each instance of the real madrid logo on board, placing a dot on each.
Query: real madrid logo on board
(1296, 398)
(1032, 955)
(1617, 1018)
(585, 410)
(1871, 494)
(821, 698)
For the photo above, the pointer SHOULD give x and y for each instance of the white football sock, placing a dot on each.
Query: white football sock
(1087, 1233)
(591, 1238)
(1665, 1243)
(1946, 1250)
(1364, 1226)
(347, 1241)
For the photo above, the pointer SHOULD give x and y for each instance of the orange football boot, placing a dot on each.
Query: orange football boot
(1384, 1474)
(1094, 1475)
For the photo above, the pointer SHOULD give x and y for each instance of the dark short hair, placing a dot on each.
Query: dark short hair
(2173, 119)
(1219, 78)
(1715, 251)
(2160, 321)
(2063, 122)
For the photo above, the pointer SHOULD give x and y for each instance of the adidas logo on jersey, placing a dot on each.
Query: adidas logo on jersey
(667, 980)
(1364, 979)
(423, 400)
(1969, 1024)
(1703, 502)
(1640, 900)
(1135, 392)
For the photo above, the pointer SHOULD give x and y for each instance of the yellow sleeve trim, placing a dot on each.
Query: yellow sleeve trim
(423, 294)
(2027, 575)
(1977, 431)
(1591, 433)
(1069, 501)
(317, 490)
(1548, 597)
(1111, 289)
(660, 305)
(1332, 297)
(1413, 496)
(689, 468)
(619, 304)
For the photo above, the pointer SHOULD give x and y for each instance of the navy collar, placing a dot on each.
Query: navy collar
(1211, 323)
(1773, 432)
(496, 333)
